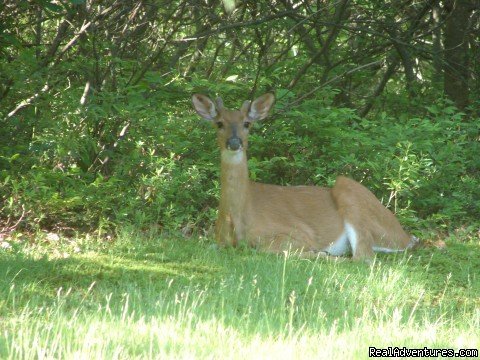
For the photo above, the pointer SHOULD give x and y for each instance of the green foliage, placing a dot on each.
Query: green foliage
(78, 172)
(97, 128)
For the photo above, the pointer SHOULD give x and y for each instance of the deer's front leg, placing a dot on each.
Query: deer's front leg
(227, 231)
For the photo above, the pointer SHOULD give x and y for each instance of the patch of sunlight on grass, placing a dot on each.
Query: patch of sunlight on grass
(170, 337)
(124, 301)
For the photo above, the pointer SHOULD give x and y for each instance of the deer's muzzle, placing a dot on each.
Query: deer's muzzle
(234, 143)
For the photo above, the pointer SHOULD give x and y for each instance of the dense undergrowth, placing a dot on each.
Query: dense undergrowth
(163, 170)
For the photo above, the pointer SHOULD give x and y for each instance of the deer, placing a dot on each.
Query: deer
(311, 221)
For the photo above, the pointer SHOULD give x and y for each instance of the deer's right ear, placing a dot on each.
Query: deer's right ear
(259, 107)
(204, 107)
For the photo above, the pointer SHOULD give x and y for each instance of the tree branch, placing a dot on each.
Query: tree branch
(333, 34)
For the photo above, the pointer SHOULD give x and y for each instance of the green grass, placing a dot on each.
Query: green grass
(146, 297)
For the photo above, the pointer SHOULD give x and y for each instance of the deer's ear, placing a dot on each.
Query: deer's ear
(260, 107)
(245, 107)
(204, 107)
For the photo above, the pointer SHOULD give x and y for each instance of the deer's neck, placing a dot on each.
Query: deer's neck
(234, 182)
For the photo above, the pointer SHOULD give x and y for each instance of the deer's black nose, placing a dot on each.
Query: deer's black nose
(234, 143)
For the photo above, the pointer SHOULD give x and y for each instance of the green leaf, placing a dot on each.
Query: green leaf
(232, 78)
(10, 40)
(14, 157)
(53, 7)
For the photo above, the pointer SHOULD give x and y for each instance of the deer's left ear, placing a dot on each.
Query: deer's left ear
(260, 107)
(204, 106)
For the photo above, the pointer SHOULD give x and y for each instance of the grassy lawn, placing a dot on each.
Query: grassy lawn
(144, 297)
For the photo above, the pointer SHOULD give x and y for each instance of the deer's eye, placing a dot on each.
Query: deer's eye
(219, 124)
(247, 124)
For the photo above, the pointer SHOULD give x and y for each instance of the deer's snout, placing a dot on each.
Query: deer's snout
(234, 143)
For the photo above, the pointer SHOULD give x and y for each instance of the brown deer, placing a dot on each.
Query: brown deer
(310, 220)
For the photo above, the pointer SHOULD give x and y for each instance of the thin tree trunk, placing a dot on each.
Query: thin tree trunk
(391, 68)
(437, 45)
(341, 9)
(456, 69)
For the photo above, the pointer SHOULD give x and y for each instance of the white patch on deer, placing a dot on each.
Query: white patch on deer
(340, 247)
(413, 241)
(352, 237)
(232, 157)
(386, 250)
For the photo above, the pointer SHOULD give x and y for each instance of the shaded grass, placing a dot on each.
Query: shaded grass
(146, 297)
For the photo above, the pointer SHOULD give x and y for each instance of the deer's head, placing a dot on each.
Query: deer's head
(232, 125)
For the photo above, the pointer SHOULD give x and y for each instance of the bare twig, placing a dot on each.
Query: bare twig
(9, 228)
(28, 101)
(237, 25)
(335, 78)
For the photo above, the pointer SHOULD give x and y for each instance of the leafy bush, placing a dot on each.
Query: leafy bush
(78, 171)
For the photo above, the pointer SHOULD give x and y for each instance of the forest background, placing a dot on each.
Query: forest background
(97, 128)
